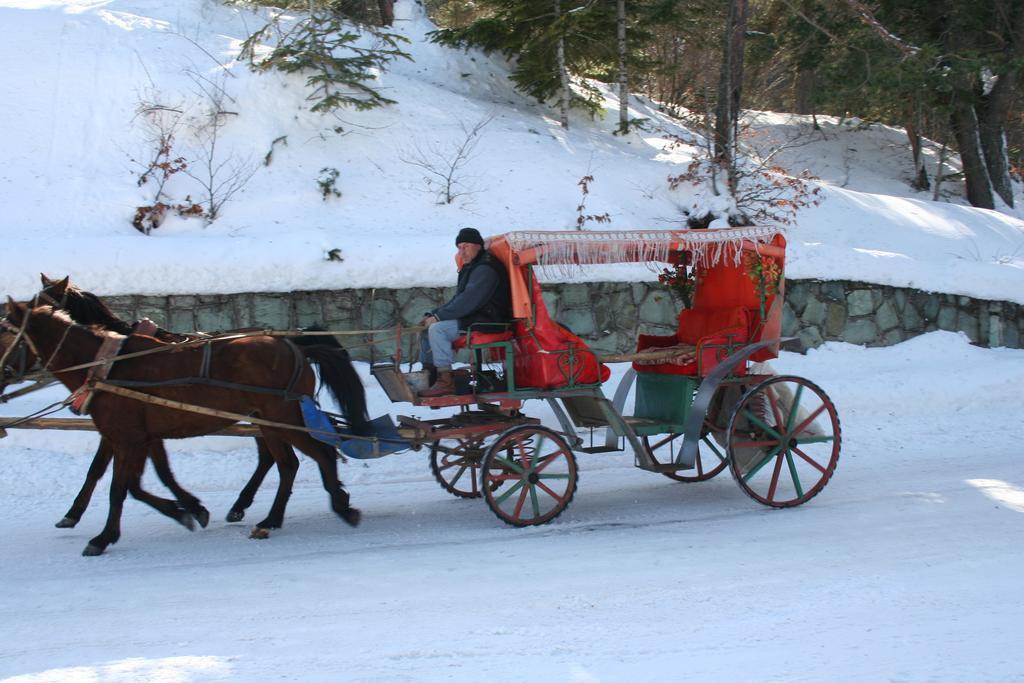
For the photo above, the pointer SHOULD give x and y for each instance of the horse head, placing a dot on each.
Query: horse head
(17, 354)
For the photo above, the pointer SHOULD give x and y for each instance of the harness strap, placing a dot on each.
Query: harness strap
(297, 368)
(83, 395)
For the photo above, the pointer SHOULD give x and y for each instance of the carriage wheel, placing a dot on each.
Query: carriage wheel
(456, 464)
(783, 441)
(711, 460)
(538, 471)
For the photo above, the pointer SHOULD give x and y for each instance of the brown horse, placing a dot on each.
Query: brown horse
(258, 376)
(86, 308)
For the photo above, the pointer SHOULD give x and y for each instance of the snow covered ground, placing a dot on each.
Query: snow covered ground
(905, 568)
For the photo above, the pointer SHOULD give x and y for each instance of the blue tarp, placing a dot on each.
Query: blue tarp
(382, 428)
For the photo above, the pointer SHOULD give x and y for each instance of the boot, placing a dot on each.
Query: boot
(444, 386)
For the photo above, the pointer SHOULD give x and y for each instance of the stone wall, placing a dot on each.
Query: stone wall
(608, 315)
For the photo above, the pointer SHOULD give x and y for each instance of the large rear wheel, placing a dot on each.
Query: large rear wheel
(529, 475)
(783, 441)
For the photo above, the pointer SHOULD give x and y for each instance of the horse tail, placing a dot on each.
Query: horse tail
(342, 380)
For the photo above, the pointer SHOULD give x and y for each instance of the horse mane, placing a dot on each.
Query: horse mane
(86, 308)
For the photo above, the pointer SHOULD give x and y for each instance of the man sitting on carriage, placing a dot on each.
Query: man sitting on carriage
(482, 299)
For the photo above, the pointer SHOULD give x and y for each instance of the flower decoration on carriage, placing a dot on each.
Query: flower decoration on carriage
(680, 279)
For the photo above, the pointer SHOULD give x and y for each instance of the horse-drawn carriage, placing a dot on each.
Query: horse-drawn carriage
(702, 403)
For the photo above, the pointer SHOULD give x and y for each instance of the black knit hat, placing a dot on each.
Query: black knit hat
(471, 235)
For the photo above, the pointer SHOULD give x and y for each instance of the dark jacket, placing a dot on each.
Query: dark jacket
(482, 294)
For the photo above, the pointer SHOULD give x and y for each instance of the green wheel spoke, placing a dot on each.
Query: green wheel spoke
(757, 421)
(503, 497)
(552, 476)
(534, 501)
(509, 464)
(764, 461)
(816, 439)
(710, 443)
(794, 409)
(796, 477)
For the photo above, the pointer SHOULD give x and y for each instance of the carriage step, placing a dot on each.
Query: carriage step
(600, 449)
(667, 467)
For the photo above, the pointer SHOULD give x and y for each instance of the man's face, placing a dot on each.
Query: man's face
(468, 251)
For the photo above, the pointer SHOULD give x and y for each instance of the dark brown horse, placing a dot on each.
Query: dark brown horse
(257, 376)
(87, 309)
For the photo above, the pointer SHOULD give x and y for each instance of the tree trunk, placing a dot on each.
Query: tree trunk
(965, 128)
(387, 12)
(920, 181)
(730, 87)
(563, 75)
(803, 91)
(623, 79)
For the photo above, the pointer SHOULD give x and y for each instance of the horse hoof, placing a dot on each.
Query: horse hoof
(66, 523)
(92, 551)
(235, 515)
(259, 533)
(352, 516)
(203, 516)
(187, 520)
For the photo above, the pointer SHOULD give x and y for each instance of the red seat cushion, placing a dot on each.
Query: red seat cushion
(697, 323)
(482, 338)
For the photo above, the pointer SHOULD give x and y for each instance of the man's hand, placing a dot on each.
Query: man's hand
(428, 320)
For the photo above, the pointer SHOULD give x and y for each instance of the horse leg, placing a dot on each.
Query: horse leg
(100, 462)
(129, 461)
(287, 466)
(191, 504)
(327, 460)
(245, 498)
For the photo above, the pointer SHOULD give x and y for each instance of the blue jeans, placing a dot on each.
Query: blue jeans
(436, 344)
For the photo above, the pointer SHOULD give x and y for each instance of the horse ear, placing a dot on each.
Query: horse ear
(14, 308)
(62, 285)
(45, 280)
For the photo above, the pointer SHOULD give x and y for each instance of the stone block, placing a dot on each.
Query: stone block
(574, 295)
(886, 316)
(861, 331)
(968, 324)
(894, 337)
(271, 310)
(623, 310)
(912, 320)
(181, 301)
(343, 306)
(1010, 335)
(214, 318)
(551, 301)
(835, 321)
(900, 299)
(658, 309)
(413, 307)
(242, 305)
(798, 292)
(928, 305)
(157, 315)
(815, 313)
(790, 323)
(380, 313)
(946, 319)
(579, 320)
(810, 338)
(860, 302)
(181, 320)
(308, 309)
(833, 291)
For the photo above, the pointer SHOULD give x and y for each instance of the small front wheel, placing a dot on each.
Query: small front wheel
(783, 441)
(528, 475)
(455, 463)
